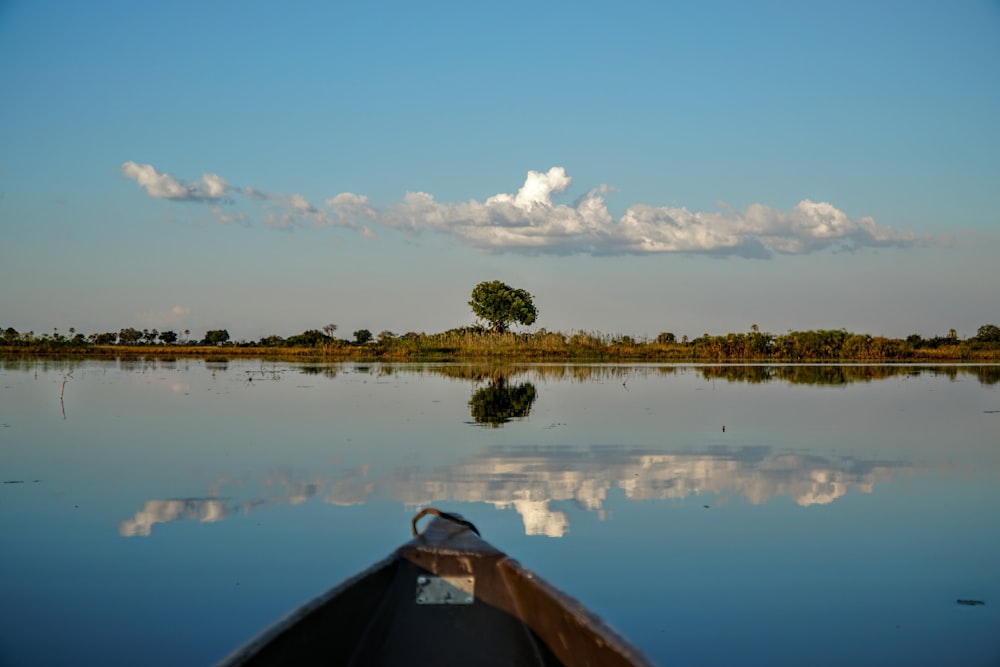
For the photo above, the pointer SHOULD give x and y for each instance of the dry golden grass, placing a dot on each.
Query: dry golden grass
(476, 345)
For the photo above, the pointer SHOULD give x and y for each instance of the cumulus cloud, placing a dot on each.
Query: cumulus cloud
(160, 185)
(529, 221)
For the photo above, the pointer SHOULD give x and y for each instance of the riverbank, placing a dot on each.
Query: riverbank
(543, 346)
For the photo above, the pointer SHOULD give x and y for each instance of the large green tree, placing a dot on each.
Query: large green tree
(215, 337)
(499, 305)
(129, 336)
(988, 333)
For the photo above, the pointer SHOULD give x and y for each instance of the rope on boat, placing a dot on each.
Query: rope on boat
(454, 518)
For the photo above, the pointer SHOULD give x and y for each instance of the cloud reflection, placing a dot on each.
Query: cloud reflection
(530, 479)
(205, 510)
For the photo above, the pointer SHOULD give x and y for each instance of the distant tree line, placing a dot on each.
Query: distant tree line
(130, 337)
(497, 305)
(481, 341)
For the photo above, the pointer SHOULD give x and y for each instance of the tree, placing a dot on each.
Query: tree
(362, 336)
(129, 336)
(329, 329)
(988, 333)
(106, 338)
(168, 337)
(216, 336)
(271, 341)
(499, 304)
(309, 338)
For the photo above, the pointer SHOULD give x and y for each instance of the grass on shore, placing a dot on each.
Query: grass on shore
(472, 344)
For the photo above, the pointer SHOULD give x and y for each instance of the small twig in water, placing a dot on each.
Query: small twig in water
(63, 391)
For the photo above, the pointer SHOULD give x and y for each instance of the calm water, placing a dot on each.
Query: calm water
(161, 513)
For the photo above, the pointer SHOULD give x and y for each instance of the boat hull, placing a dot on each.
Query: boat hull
(445, 598)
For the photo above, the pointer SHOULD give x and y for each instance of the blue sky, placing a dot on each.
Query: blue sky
(637, 167)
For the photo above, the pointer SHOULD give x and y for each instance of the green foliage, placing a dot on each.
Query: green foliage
(499, 305)
(129, 336)
(932, 343)
(10, 337)
(494, 344)
(813, 345)
(309, 338)
(216, 337)
(988, 333)
(498, 402)
(271, 341)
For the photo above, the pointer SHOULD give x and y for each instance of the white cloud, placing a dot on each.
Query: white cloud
(295, 211)
(161, 185)
(348, 208)
(528, 221)
(537, 190)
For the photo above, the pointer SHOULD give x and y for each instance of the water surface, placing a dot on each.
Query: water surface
(162, 512)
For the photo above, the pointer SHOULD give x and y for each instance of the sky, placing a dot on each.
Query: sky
(637, 167)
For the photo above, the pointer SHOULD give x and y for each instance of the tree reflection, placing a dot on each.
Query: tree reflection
(988, 375)
(795, 374)
(814, 374)
(499, 402)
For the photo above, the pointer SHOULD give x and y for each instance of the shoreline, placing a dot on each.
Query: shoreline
(374, 352)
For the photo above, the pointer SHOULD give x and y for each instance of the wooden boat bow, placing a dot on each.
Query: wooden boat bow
(446, 597)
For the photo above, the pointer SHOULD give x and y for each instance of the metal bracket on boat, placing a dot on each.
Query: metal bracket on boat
(446, 590)
(455, 518)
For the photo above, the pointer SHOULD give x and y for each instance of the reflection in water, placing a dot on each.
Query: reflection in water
(206, 510)
(528, 479)
(499, 402)
(809, 374)
(349, 488)
(801, 373)
(841, 374)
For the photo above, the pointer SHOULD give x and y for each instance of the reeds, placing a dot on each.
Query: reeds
(476, 344)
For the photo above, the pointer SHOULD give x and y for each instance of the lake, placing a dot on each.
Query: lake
(162, 512)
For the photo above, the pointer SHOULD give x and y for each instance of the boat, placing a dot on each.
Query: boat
(446, 597)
